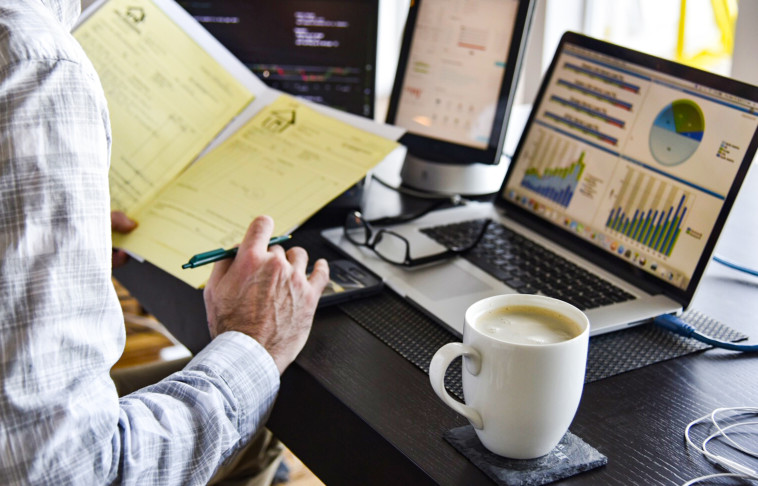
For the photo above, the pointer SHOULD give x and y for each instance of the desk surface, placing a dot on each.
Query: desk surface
(356, 412)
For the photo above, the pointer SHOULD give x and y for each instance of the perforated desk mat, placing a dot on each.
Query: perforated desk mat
(416, 337)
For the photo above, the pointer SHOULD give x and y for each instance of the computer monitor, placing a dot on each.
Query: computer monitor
(455, 83)
(320, 50)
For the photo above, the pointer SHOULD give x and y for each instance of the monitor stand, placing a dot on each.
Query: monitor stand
(473, 179)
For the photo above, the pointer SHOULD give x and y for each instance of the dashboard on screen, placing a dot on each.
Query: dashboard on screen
(456, 77)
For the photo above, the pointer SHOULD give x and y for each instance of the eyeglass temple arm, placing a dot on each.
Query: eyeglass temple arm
(431, 258)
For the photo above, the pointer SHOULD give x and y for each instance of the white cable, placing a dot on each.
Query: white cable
(728, 463)
(744, 410)
(742, 471)
(711, 476)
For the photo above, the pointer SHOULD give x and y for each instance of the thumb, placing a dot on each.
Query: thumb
(121, 223)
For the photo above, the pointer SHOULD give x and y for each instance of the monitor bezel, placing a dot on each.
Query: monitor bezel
(441, 151)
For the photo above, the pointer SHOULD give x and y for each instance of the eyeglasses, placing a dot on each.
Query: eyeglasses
(393, 247)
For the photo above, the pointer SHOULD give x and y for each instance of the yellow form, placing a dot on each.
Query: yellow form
(287, 162)
(167, 96)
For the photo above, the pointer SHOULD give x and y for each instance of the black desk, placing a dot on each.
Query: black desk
(356, 412)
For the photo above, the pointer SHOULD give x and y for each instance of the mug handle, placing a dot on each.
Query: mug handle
(437, 368)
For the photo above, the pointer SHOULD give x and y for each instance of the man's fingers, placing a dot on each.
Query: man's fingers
(298, 258)
(119, 258)
(258, 235)
(319, 277)
(219, 270)
(278, 252)
(121, 223)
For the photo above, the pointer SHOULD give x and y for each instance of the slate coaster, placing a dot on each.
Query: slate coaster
(570, 457)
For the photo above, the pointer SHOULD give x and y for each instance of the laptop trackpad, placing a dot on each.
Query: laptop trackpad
(444, 282)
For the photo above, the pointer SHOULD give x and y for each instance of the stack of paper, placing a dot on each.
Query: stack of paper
(201, 146)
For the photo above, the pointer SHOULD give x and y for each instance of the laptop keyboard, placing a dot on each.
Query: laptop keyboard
(527, 266)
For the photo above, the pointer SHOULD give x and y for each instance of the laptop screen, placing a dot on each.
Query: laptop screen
(638, 156)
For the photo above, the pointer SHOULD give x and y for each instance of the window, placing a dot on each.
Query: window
(700, 33)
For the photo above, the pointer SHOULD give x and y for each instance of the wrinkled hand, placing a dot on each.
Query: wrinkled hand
(120, 223)
(265, 293)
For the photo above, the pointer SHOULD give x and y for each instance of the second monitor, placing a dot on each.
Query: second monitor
(454, 87)
(321, 50)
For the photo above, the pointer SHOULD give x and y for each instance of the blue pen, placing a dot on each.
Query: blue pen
(220, 253)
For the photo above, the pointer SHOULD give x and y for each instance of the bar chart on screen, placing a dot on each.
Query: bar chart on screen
(650, 211)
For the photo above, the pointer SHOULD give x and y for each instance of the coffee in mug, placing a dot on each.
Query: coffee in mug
(527, 325)
(524, 359)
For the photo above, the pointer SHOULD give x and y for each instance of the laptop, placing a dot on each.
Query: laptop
(626, 170)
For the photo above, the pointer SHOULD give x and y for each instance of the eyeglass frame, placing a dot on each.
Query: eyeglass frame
(373, 238)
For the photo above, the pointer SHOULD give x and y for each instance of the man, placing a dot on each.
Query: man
(61, 327)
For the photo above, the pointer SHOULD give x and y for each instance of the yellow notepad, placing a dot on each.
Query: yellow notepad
(201, 146)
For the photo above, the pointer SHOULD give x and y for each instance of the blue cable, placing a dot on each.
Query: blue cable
(678, 326)
(735, 266)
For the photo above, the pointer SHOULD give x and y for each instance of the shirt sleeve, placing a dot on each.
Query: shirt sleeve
(208, 410)
(60, 321)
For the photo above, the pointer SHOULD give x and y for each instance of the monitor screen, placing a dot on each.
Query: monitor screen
(456, 77)
(320, 50)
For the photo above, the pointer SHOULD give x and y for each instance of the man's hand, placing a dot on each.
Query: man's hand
(120, 223)
(265, 293)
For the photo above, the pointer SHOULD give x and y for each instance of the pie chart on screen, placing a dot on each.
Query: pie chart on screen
(677, 132)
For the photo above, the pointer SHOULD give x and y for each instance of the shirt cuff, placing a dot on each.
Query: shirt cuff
(248, 370)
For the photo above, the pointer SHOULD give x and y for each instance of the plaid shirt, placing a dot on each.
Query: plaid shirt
(61, 327)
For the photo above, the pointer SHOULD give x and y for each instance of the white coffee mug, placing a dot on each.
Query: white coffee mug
(522, 383)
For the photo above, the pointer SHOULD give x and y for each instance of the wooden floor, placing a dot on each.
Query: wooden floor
(147, 341)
